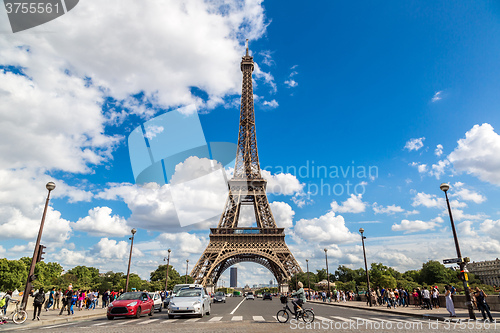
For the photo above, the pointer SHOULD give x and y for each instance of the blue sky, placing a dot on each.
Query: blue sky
(409, 89)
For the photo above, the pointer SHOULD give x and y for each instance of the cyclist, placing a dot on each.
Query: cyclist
(301, 298)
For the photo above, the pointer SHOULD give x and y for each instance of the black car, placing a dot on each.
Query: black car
(267, 296)
(220, 297)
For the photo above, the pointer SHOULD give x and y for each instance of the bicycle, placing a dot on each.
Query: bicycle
(307, 315)
(19, 315)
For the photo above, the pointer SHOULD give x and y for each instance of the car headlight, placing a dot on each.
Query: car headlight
(132, 304)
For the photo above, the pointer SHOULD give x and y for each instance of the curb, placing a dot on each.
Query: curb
(61, 320)
(426, 316)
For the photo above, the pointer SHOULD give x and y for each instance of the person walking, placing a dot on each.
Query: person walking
(57, 299)
(449, 302)
(482, 305)
(39, 299)
(435, 298)
(74, 299)
(426, 297)
(52, 293)
(66, 301)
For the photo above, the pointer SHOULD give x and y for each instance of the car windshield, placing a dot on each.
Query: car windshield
(219, 293)
(189, 293)
(127, 296)
(250, 293)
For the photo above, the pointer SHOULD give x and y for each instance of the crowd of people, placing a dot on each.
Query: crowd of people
(426, 298)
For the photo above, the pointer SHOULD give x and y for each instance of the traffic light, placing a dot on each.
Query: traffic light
(40, 252)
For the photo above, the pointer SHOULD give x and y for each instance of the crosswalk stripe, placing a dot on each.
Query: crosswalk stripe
(258, 318)
(125, 322)
(215, 319)
(169, 321)
(192, 320)
(322, 318)
(363, 319)
(342, 318)
(100, 324)
(237, 318)
(145, 322)
(54, 326)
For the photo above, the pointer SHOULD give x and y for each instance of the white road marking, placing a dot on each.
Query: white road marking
(169, 321)
(145, 322)
(125, 322)
(237, 318)
(100, 324)
(322, 318)
(258, 318)
(54, 326)
(237, 306)
(342, 318)
(215, 319)
(192, 320)
(363, 319)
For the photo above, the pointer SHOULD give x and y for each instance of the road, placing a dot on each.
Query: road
(240, 315)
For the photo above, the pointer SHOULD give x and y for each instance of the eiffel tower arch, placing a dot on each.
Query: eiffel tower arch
(230, 244)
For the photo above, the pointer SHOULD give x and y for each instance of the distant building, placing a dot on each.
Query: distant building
(486, 271)
(233, 277)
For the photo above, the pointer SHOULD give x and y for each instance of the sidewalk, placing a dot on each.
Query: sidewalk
(411, 310)
(52, 317)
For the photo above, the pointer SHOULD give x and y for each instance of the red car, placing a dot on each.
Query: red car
(132, 304)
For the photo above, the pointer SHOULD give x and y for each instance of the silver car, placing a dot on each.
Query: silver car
(250, 296)
(189, 301)
(156, 297)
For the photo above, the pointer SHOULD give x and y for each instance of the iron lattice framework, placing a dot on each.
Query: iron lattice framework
(230, 244)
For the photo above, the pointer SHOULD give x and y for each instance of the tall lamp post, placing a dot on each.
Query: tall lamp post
(468, 301)
(133, 231)
(327, 274)
(361, 231)
(168, 263)
(37, 253)
(187, 264)
(308, 284)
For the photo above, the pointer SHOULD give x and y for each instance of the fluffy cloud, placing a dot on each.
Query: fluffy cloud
(428, 200)
(439, 150)
(492, 228)
(282, 183)
(353, 204)
(184, 242)
(418, 225)
(326, 229)
(283, 214)
(414, 144)
(377, 209)
(99, 222)
(467, 195)
(479, 154)
(437, 96)
(111, 249)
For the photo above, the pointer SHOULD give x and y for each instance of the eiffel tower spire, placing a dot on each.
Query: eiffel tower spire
(247, 158)
(230, 244)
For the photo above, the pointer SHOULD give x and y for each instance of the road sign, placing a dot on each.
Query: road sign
(452, 261)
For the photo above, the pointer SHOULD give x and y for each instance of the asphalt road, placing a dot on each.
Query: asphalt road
(239, 315)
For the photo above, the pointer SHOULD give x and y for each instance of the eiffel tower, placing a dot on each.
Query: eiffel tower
(230, 244)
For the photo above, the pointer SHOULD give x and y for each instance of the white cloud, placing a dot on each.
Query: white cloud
(326, 229)
(152, 131)
(417, 225)
(291, 83)
(283, 214)
(268, 59)
(465, 229)
(99, 222)
(184, 242)
(111, 249)
(479, 154)
(414, 144)
(439, 150)
(491, 228)
(439, 168)
(266, 77)
(282, 183)
(392, 209)
(272, 104)
(459, 214)
(467, 195)
(428, 200)
(353, 204)
(437, 96)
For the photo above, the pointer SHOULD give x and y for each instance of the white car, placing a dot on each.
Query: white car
(250, 296)
(192, 300)
(156, 297)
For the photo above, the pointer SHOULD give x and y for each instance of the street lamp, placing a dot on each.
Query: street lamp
(168, 262)
(308, 284)
(327, 274)
(187, 263)
(133, 231)
(361, 231)
(37, 253)
(445, 187)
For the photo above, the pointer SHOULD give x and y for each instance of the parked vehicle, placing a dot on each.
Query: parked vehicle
(156, 297)
(190, 301)
(219, 297)
(131, 304)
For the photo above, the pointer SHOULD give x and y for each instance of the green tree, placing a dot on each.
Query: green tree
(433, 272)
(13, 274)
(158, 277)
